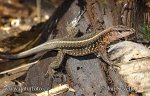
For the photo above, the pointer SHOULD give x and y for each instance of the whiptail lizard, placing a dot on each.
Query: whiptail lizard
(91, 43)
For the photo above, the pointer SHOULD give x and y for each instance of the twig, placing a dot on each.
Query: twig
(17, 69)
(61, 88)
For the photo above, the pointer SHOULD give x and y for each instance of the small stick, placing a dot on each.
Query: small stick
(61, 88)
(38, 9)
(17, 69)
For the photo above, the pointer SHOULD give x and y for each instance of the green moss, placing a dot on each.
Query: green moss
(145, 30)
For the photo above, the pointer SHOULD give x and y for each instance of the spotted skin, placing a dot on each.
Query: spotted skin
(94, 43)
(98, 44)
(85, 45)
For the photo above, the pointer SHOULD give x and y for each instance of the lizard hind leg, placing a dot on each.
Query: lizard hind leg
(55, 64)
(72, 31)
(72, 27)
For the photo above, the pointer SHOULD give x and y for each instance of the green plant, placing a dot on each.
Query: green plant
(145, 30)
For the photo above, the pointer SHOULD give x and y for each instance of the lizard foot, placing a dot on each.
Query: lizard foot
(116, 66)
(50, 73)
(55, 64)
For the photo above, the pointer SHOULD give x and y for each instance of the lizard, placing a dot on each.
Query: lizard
(92, 43)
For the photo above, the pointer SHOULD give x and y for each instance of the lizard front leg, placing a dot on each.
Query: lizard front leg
(55, 64)
(103, 55)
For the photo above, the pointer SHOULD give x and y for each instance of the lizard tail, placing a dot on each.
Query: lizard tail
(42, 47)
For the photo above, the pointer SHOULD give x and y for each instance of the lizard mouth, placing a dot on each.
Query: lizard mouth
(123, 38)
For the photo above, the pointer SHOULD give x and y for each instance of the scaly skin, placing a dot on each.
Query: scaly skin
(91, 43)
(95, 43)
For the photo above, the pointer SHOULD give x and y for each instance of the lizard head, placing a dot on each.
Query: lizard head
(119, 32)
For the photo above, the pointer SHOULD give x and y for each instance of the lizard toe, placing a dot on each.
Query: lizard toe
(50, 73)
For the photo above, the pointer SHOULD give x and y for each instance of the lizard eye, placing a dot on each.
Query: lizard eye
(123, 31)
(120, 31)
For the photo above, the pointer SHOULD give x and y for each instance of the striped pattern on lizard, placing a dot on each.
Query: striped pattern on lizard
(93, 43)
